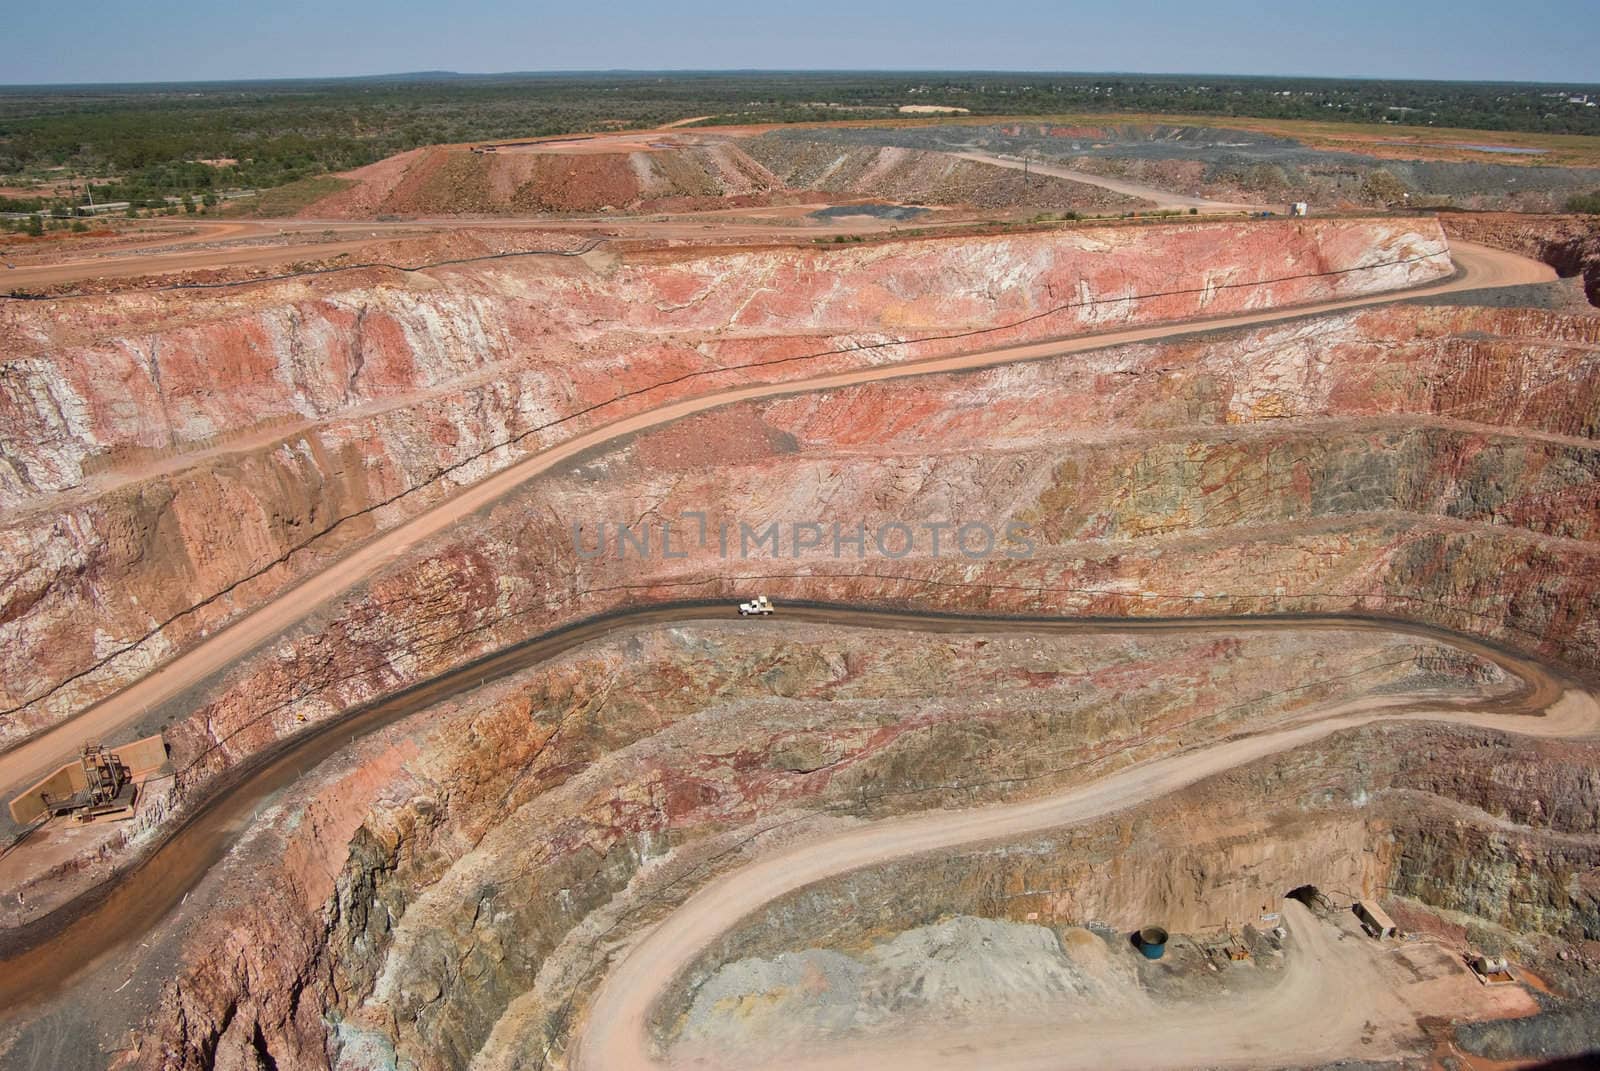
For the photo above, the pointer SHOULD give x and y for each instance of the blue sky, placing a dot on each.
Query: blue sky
(103, 41)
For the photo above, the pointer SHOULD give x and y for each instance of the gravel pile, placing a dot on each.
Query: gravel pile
(901, 174)
(963, 968)
(1221, 163)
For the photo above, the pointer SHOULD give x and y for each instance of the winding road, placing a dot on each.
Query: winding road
(615, 1034)
(1162, 199)
(89, 929)
(1479, 267)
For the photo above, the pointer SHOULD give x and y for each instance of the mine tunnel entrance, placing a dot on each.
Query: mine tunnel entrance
(1309, 895)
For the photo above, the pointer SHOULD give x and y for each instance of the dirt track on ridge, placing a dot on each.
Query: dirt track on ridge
(1159, 197)
(283, 241)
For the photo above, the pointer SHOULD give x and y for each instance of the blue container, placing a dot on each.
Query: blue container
(1152, 942)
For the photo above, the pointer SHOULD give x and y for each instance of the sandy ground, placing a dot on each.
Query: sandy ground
(1314, 1016)
(55, 844)
(20, 766)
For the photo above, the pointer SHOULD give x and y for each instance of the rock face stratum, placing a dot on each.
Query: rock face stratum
(445, 892)
(173, 460)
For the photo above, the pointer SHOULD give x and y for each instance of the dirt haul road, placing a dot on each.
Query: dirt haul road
(281, 242)
(220, 244)
(1314, 1016)
(92, 938)
(1479, 267)
(1164, 199)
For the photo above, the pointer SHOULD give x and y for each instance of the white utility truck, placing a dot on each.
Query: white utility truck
(761, 606)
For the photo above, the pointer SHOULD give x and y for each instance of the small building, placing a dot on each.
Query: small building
(1299, 208)
(1374, 919)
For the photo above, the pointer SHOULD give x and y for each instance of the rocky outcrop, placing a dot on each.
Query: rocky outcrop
(444, 892)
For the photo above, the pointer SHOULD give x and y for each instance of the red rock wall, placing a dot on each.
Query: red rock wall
(351, 406)
(1355, 495)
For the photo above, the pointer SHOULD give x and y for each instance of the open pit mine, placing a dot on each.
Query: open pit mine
(604, 647)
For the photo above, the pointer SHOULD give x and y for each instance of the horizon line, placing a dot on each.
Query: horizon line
(441, 74)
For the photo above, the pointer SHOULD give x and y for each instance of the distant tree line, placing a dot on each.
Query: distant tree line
(146, 143)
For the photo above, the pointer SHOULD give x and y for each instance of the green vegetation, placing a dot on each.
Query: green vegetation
(145, 144)
(287, 200)
(1589, 202)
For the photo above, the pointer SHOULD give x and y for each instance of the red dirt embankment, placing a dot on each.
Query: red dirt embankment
(545, 177)
(681, 172)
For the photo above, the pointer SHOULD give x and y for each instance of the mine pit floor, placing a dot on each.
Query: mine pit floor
(1029, 997)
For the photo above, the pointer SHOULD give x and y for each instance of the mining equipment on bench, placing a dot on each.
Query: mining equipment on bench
(108, 788)
(103, 782)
